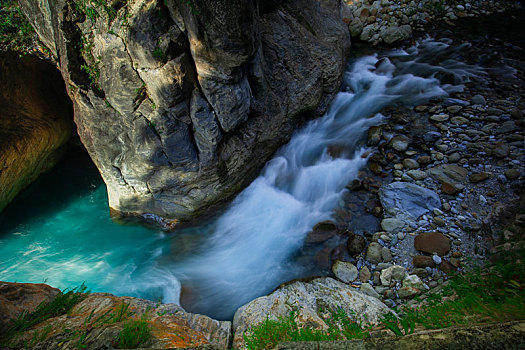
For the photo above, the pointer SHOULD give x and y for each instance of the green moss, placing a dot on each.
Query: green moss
(16, 34)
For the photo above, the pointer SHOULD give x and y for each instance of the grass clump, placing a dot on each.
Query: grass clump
(269, 333)
(491, 294)
(134, 334)
(61, 304)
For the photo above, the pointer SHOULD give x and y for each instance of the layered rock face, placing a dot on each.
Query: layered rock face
(180, 103)
(35, 122)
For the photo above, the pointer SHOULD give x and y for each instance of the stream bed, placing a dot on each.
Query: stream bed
(59, 230)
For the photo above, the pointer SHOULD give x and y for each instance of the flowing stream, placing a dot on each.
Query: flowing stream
(59, 230)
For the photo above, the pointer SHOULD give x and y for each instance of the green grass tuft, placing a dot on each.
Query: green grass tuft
(134, 334)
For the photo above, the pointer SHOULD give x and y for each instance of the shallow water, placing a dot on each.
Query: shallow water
(60, 232)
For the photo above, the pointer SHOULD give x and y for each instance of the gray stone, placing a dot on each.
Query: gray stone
(395, 34)
(345, 271)
(478, 100)
(373, 253)
(449, 173)
(356, 27)
(408, 199)
(410, 163)
(392, 225)
(417, 174)
(367, 289)
(386, 254)
(393, 273)
(431, 136)
(399, 143)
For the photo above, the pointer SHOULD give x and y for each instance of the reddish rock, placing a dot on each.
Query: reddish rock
(432, 242)
(475, 178)
(423, 261)
(448, 188)
(447, 267)
(16, 297)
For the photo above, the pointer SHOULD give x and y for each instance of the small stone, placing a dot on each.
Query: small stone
(451, 189)
(413, 281)
(446, 207)
(367, 289)
(420, 272)
(373, 253)
(399, 143)
(512, 174)
(436, 259)
(455, 262)
(478, 100)
(432, 242)
(393, 273)
(454, 109)
(439, 117)
(410, 163)
(355, 185)
(424, 160)
(345, 271)
(408, 292)
(374, 135)
(457, 254)
(417, 174)
(376, 168)
(423, 261)
(447, 267)
(459, 121)
(392, 225)
(476, 178)
(355, 244)
(501, 150)
(386, 254)
(454, 157)
(431, 136)
(439, 221)
(364, 274)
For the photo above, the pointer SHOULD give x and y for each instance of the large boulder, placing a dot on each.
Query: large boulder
(180, 103)
(36, 121)
(18, 297)
(408, 200)
(96, 321)
(309, 299)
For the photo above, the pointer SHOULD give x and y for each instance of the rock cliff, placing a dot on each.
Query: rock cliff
(180, 103)
(35, 121)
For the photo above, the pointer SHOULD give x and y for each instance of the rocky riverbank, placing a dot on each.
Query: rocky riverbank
(442, 179)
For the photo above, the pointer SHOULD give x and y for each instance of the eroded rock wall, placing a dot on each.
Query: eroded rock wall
(180, 103)
(35, 121)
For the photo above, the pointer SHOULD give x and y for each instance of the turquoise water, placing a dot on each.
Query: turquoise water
(59, 231)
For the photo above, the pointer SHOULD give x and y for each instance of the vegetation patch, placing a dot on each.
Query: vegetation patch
(61, 304)
(16, 34)
(491, 294)
(134, 334)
